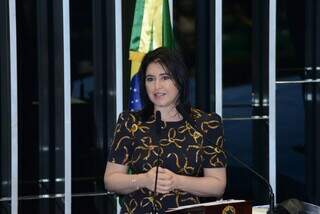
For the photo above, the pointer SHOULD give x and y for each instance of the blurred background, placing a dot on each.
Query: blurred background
(93, 86)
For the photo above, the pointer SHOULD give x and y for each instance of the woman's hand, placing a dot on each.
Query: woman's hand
(167, 180)
(175, 179)
(213, 182)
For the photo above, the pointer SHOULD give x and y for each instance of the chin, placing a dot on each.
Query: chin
(157, 103)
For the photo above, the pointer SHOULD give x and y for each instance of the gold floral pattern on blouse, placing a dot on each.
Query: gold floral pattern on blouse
(172, 139)
(186, 168)
(180, 147)
(196, 113)
(131, 207)
(197, 137)
(136, 127)
(148, 146)
(213, 124)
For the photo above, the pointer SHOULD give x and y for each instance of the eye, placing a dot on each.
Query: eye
(166, 77)
(149, 79)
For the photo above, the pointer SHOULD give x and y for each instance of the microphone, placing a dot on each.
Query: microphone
(158, 134)
(158, 123)
(188, 118)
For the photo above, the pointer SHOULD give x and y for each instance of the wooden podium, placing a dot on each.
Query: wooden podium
(217, 207)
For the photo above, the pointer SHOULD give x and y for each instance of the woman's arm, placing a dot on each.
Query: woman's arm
(212, 184)
(117, 180)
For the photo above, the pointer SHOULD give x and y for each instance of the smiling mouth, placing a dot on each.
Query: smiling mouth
(159, 94)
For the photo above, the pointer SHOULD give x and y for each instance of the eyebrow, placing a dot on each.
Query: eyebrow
(162, 74)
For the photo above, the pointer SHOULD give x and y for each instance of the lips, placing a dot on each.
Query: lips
(159, 94)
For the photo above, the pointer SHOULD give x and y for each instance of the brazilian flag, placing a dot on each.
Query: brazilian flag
(151, 29)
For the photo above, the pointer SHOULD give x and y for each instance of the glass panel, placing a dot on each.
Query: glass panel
(27, 98)
(237, 66)
(290, 40)
(296, 106)
(238, 137)
(84, 151)
(94, 204)
(5, 147)
(5, 116)
(41, 162)
(186, 38)
(5, 207)
(39, 206)
(93, 107)
(237, 101)
(291, 151)
(239, 140)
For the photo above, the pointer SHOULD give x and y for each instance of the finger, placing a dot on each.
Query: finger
(161, 170)
(162, 176)
(163, 189)
(165, 184)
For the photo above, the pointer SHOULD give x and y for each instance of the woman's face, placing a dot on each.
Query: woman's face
(160, 86)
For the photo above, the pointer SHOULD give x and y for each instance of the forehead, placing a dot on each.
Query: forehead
(155, 68)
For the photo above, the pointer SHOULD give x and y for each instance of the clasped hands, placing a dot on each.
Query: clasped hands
(167, 180)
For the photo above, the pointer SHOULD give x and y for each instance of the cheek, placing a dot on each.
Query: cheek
(174, 88)
(148, 89)
(176, 93)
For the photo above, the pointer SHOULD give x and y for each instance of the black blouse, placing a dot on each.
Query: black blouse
(182, 150)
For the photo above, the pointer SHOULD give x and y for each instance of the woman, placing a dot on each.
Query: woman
(189, 165)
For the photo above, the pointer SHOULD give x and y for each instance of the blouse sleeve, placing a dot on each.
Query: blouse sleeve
(213, 153)
(121, 147)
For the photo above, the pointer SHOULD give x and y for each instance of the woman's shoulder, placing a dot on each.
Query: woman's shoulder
(133, 116)
(200, 115)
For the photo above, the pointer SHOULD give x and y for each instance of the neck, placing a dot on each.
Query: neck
(169, 114)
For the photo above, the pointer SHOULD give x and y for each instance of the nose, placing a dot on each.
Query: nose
(157, 83)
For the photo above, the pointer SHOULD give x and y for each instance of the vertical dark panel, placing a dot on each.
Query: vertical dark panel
(313, 90)
(99, 32)
(101, 42)
(27, 100)
(104, 65)
(85, 155)
(99, 66)
(308, 99)
(317, 103)
(46, 117)
(260, 71)
(202, 56)
(58, 105)
(5, 103)
(43, 72)
(289, 103)
(104, 102)
(127, 22)
(110, 72)
(212, 55)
